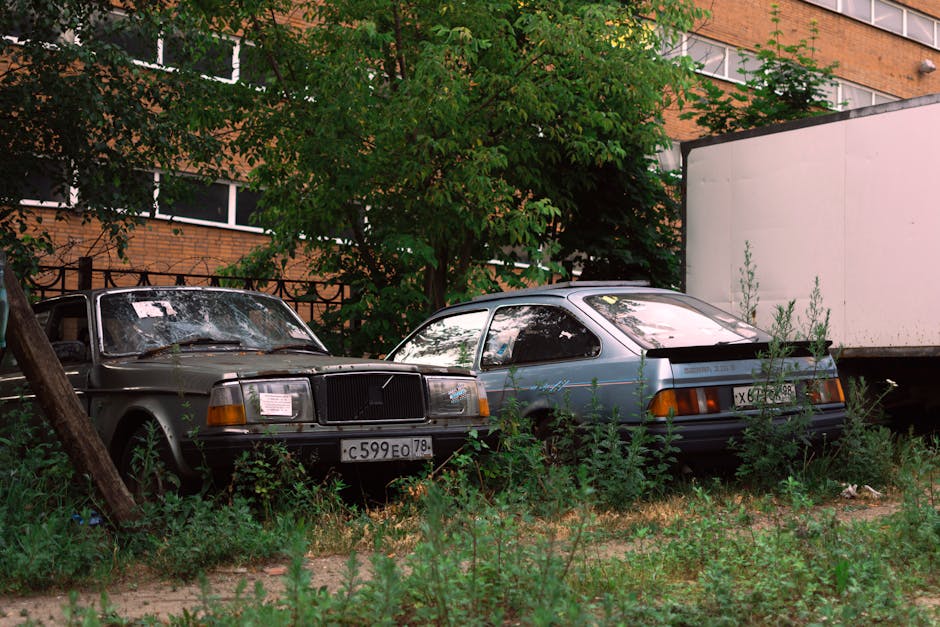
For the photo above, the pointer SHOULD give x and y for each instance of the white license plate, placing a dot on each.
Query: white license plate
(386, 449)
(754, 395)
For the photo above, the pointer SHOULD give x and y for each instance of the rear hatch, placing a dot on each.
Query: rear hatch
(715, 381)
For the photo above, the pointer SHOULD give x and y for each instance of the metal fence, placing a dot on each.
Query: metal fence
(311, 299)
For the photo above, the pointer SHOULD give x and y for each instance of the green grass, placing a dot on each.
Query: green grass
(508, 536)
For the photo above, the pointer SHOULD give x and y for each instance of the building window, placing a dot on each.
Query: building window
(186, 197)
(246, 206)
(920, 28)
(858, 9)
(253, 67)
(23, 25)
(47, 182)
(207, 54)
(888, 16)
(122, 31)
(710, 57)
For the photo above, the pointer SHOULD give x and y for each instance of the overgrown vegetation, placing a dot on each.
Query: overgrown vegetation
(511, 534)
(583, 527)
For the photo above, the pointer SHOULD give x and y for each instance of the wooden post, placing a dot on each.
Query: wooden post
(54, 394)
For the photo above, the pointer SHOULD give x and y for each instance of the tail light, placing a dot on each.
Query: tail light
(685, 402)
(822, 391)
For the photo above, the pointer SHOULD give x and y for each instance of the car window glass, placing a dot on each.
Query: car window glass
(66, 326)
(672, 320)
(141, 320)
(536, 333)
(450, 341)
(8, 361)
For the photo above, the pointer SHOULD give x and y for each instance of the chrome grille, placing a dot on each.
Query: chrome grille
(370, 397)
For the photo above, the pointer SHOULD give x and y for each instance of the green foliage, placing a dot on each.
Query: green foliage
(80, 113)
(273, 481)
(489, 553)
(787, 84)
(774, 446)
(190, 534)
(46, 535)
(473, 130)
(866, 450)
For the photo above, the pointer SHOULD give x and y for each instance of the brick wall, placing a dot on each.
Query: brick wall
(157, 246)
(866, 55)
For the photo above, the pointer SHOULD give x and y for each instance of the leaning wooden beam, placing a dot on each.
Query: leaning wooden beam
(54, 394)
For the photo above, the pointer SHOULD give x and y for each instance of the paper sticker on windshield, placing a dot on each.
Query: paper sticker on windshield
(153, 308)
(276, 404)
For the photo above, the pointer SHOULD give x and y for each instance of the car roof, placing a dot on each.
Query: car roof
(93, 293)
(563, 289)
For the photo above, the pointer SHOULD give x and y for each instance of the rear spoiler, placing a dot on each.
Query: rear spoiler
(729, 352)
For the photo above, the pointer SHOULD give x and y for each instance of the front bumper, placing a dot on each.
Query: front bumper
(320, 449)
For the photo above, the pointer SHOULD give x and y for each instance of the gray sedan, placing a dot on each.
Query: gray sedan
(638, 354)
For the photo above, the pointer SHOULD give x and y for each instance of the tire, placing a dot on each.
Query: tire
(146, 463)
(556, 449)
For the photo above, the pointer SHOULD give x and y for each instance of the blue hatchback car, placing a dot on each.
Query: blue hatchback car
(641, 354)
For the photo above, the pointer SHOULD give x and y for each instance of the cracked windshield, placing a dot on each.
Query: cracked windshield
(147, 321)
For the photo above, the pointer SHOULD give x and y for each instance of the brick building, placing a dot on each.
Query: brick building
(885, 50)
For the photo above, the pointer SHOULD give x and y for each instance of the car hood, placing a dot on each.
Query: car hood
(198, 370)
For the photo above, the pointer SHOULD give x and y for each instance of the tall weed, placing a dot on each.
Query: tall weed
(48, 523)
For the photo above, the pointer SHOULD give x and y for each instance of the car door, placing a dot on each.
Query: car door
(541, 354)
(66, 324)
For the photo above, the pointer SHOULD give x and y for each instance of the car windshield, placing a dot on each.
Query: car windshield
(672, 320)
(141, 321)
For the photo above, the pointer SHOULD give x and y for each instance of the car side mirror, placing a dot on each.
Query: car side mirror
(70, 351)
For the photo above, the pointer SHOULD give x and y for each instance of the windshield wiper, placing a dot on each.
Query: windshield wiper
(298, 346)
(188, 341)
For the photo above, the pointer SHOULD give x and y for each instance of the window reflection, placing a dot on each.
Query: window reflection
(660, 321)
(536, 333)
(449, 341)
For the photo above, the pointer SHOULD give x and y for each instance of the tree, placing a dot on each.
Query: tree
(77, 113)
(404, 146)
(788, 84)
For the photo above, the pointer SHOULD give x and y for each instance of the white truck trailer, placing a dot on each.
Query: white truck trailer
(850, 198)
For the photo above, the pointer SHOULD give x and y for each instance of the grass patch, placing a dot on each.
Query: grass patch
(506, 535)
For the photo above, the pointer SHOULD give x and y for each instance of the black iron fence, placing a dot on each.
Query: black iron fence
(311, 299)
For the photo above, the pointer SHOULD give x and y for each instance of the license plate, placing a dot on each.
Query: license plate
(753, 395)
(386, 449)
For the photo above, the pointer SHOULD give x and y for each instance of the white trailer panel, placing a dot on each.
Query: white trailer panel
(850, 198)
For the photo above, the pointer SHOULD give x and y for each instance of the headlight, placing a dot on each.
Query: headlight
(450, 397)
(278, 400)
(225, 406)
(275, 400)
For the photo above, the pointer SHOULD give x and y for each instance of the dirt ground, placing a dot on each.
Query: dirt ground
(145, 594)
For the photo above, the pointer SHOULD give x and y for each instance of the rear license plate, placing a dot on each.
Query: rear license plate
(754, 395)
(386, 449)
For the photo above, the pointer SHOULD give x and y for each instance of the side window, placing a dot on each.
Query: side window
(536, 333)
(450, 341)
(67, 330)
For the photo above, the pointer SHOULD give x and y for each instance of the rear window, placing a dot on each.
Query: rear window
(672, 320)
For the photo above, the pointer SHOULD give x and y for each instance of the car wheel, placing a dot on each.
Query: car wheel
(146, 463)
(556, 436)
